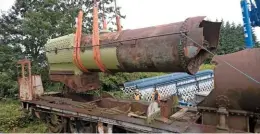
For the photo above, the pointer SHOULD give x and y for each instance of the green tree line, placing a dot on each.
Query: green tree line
(26, 27)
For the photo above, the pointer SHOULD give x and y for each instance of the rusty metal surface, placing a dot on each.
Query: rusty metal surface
(233, 89)
(25, 80)
(161, 53)
(79, 83)
(235, 122)
(98, 105)
(24, 89)
(161, 48)
(158, 48)
(167, 107)
(238, 122)
(209, 119)
(198, 128)
(122, 120)
(102, 109)
(37, 86)
(30, 87)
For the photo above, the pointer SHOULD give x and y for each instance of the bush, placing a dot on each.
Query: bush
(113, 82)
(12, 119)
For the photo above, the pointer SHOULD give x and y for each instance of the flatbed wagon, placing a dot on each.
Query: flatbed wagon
(112, 115)
(77, 112)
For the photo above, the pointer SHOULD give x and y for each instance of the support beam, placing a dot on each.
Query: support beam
(100, 128)
(109, 128)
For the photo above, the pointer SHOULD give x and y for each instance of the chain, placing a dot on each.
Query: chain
(182, 43)
(248, 76)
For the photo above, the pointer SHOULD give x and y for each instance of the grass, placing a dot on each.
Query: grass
(14, 120)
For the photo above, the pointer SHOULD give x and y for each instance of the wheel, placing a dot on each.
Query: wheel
(56, 124)
(78, 126)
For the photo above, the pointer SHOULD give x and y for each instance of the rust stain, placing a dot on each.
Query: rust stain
(25, 80)
(79, 83)
(241, 93)
(151, 49)
(159, 46)
(117, 109)
(167, 107)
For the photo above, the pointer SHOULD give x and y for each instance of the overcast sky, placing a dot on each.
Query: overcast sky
(143, 13)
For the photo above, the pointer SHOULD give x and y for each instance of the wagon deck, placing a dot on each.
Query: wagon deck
(116, 112)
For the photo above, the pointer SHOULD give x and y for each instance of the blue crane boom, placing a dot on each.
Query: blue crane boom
(251, 18)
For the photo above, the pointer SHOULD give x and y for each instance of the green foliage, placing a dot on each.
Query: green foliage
(231, 38)
(207, 66)
(8, 59)
(13, 120)
(113, 82)
(121, 95)
(30, 23)
(44, 19)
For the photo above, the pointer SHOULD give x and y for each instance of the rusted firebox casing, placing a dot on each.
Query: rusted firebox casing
(154, 49)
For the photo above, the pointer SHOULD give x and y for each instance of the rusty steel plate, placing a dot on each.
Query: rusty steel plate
(233, 89)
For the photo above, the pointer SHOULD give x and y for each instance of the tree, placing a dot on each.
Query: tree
(31, 23)
(232, 38)
(112, 82)
(8, 74)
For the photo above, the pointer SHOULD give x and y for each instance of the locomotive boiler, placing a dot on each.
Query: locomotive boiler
(75, 60)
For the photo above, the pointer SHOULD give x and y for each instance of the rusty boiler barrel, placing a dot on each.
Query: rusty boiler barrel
(163, 48)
